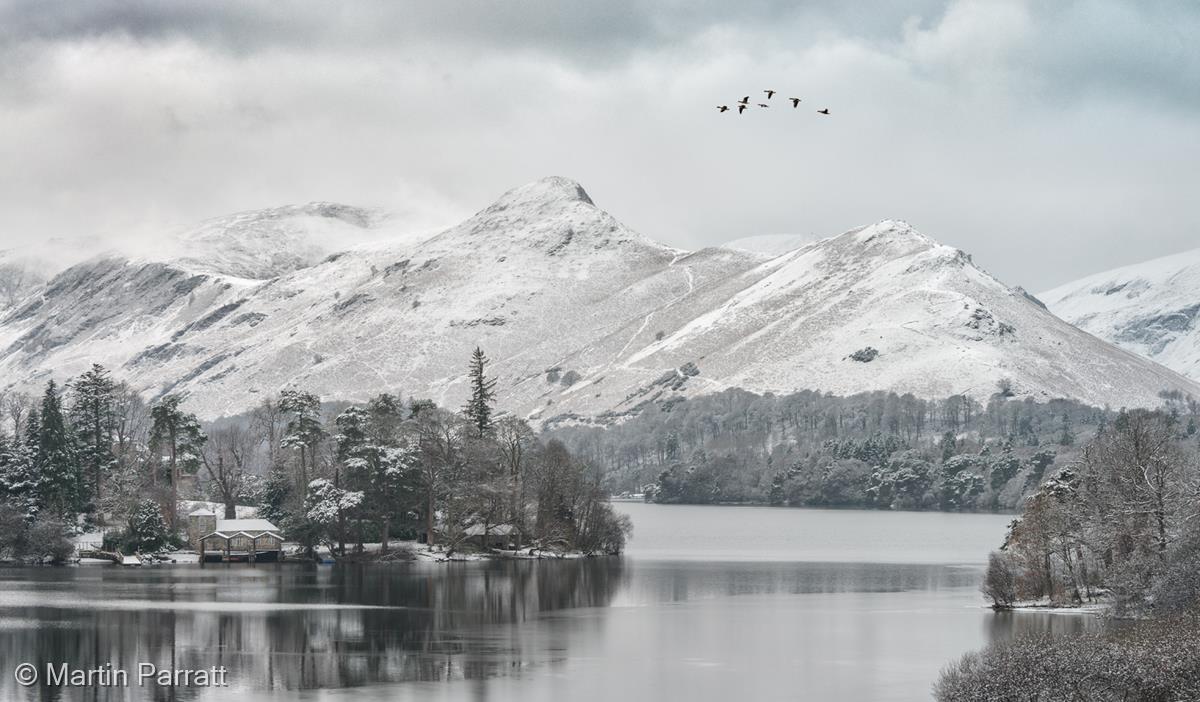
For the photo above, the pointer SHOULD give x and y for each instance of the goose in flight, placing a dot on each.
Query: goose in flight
(744, 101)
(795, 102)
(770, 93)
(763, 104)
(723, 108)
(742, 108)
(824, 111)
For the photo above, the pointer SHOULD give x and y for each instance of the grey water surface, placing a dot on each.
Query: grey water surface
(709, 603)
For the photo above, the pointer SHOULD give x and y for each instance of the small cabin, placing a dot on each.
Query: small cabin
(234, 540)
(504, 536)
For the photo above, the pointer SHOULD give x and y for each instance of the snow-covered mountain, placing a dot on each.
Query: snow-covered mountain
(1150, 308)
(26, 266)
(771, 244)
(263, 244)
(581, 316)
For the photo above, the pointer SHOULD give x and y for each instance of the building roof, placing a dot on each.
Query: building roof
(497, 530)
(202, 512)
(235, 534)
(234, 525)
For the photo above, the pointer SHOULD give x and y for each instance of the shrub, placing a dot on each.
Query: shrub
(865, 355)
(1000, 581)
(1147, 662)
(603, 531)
(47, 539)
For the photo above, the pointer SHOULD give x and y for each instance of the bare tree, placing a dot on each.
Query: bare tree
(227, 460)
(440, 440)
(515, 438)
(17, 405)
(267, 421)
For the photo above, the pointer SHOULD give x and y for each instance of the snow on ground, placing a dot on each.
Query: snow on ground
(1046, 607)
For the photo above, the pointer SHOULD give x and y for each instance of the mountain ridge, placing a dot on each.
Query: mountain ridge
(584, 319)
(1151, 308)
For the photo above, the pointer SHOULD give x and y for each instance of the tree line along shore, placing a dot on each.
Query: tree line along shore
(93, 456)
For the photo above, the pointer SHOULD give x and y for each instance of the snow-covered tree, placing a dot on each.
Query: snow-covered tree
(325, 506)
(93, 398)
(378, 461)
(483, 394)
(19, 484)
(62, 492)
(176, 442)
(303, 430)
(147, 530)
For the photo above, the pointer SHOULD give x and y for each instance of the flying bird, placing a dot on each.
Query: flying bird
(770, 93)
(723, 108)
(824, 111)
(795, 102)
(742, 108)
(744, 101)
(763, 104)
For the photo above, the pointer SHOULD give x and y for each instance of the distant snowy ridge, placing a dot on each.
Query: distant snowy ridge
(771, 244)
(1150, 308)
(583, 318)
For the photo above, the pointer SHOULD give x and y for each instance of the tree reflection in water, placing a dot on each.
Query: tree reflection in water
(598, 629)
(305, 627)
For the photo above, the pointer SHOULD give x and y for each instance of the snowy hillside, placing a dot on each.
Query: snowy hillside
(771, 244)
(581, 316)
(1150, 308)
(26, 266)
(263, 244)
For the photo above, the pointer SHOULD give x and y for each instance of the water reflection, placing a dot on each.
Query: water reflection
(778, 622)
(316, 628)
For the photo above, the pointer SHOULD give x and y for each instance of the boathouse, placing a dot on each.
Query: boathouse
(234, 540)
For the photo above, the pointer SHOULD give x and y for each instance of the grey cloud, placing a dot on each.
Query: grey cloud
(1003, 127)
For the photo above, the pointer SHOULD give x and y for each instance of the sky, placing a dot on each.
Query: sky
(1048, 139)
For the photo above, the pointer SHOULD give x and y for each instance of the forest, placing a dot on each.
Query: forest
(93, 455)
(1119, 526)
(874, 450)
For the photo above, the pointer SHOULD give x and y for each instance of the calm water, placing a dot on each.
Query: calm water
(710, 603)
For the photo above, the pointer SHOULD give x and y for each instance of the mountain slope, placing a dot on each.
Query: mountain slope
(1150, 308)
(263, 244)
(581, 316)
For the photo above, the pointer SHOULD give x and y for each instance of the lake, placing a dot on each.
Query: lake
(709, 603)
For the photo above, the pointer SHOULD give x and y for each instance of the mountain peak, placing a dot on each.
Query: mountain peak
(553, 215)
(889, 231)
(888, 239)
(548, 191)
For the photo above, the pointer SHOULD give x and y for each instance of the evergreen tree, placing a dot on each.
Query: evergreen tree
(277, 497)
(417, 406)
(483, 394)
(1067, 437)
(18, 479)
(949, 445)
(176, 441)
(62, 493)
(303, 431)
(147, 530)
(377, 462)
(92, 417)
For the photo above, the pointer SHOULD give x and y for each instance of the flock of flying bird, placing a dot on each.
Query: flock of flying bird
(745, 102)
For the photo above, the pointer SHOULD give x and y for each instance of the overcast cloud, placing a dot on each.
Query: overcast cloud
(1049, 139)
